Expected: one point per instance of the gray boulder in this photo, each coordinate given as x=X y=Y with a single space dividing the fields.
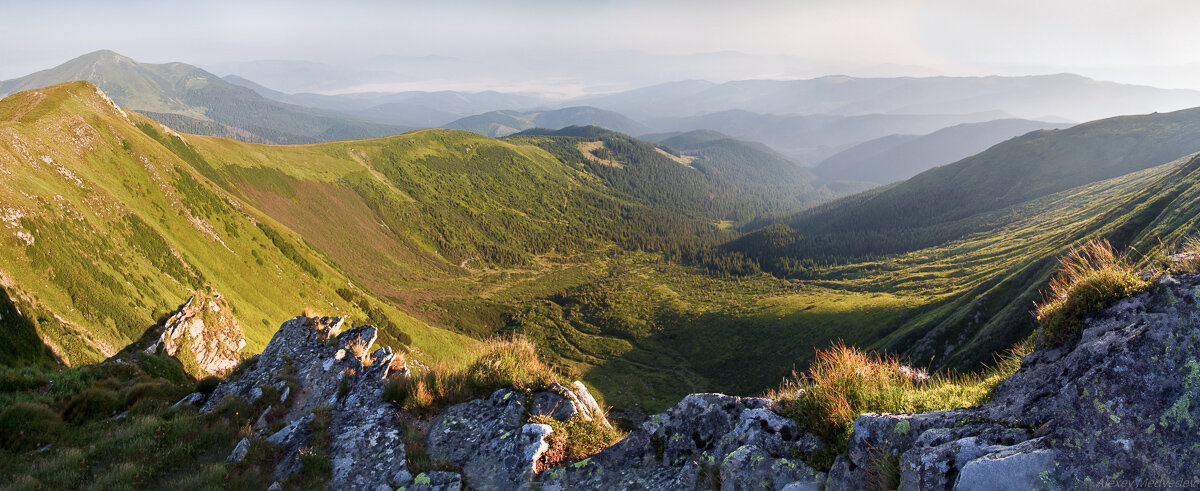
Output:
x=489 y=441
x=696 y=437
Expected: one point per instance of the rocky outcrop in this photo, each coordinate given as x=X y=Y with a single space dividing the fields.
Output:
x=738 y=441
x=563 y=403
x=202 y=334
x=316 y=377
x=1116 y=406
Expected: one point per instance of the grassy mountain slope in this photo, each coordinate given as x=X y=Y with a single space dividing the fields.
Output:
x=497 y=124
x=193 y=100
x=953 y=201
x=899 y=157
x=979 y=238
x=753 y=168
x=110 y=221
x=721 y=179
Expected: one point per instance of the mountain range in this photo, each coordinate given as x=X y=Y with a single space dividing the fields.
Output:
x=1041 y=97
x=898 y=157
x=192 y=100
x=498 y=124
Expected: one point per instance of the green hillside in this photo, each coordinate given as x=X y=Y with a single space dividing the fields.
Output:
x=980 y=237
x=192 y=100
x=107 y=228
x=972 y=195
x=898 y=157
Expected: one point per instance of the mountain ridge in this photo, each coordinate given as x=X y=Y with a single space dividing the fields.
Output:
x=198 y=101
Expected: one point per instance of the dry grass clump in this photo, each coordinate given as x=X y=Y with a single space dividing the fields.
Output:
x=1089 y=278
x=844 y=382
x=502 y=363
x=1189 y=260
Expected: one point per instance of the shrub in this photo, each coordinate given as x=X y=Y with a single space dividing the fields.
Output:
x=158 y=389
x=91 y=404
x=25 y=425
x=844 y=382
x=208 y=385
x=1089 y=278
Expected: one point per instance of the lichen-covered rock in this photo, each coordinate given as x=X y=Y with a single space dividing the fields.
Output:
x=1025 y=466
x=752 y=468
x=487 y=439
x=367 y=447
x=203 y=334
x=672 y=448
x=313 y=368
x=563 y=403
x=1116 y=403
x=436 y=481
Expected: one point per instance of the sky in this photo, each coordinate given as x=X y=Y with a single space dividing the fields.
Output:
x=572 y=47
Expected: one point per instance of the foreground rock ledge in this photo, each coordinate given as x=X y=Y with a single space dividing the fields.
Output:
x=1120 y=405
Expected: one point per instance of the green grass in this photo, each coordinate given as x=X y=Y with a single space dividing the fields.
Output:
x=69 y=414
x=119 y=234
x=1088 y=279
x=500 y=363
x=574 y=440
x=844 y=382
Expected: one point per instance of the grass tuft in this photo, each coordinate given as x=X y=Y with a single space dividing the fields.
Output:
x=573 y=440
x=1089 y=278
x=844 y=382
x=501 y=363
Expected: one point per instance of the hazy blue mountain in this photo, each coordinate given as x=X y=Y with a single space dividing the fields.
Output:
x=897 y=157
x=503 y=123
x=410 y=108
x=193 y=100
x=1032 y=97
x=813 y=138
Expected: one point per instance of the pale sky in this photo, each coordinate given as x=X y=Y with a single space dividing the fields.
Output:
x=610 y=44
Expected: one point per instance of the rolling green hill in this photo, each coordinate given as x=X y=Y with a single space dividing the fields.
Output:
x=979 y=238
x=192 y=100
x=972 y=195
x=110 y=222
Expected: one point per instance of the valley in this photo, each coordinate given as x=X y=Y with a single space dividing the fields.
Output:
x=445 y=237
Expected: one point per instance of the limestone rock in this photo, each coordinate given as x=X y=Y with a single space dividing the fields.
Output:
x=203 y=330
